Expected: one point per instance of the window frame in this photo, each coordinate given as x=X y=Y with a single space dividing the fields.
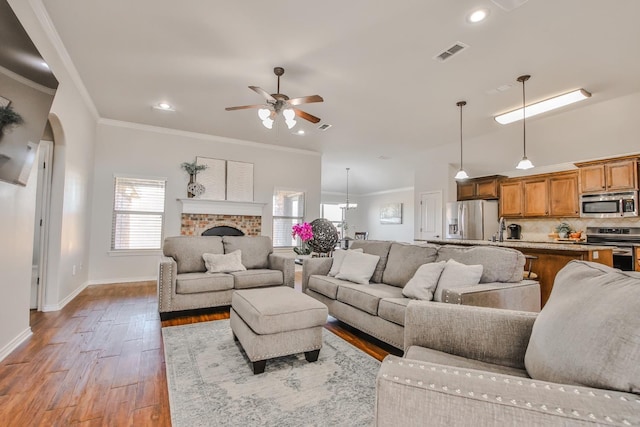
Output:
x=114 y=212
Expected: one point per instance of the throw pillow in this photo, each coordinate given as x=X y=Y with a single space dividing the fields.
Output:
x=338 y=258
x=424 y=282
x=456 y=275
x=588 y=332
x=224 y=263
x=358 y=267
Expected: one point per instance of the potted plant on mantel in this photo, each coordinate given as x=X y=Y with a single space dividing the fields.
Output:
x=193 y=188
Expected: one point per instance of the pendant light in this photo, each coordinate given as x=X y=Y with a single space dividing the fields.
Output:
x=524 y=163
x=461 y=173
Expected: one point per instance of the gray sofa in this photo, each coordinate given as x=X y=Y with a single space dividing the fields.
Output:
x=183 y=281
x=576 y=363
x=378 y=308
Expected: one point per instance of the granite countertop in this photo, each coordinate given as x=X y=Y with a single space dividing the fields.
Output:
x=555 y=246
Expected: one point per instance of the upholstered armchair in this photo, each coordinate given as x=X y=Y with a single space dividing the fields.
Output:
x=577 y=362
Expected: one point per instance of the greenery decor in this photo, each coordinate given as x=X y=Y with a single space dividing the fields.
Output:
x=9 y=117
x=192 y=168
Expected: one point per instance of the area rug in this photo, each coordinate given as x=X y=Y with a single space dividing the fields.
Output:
x=211 y=382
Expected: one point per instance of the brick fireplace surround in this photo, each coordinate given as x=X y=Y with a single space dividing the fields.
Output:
x=195 y=224
x=199 y=215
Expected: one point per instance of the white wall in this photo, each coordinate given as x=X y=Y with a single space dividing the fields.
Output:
x=157 y=152
x=69 y=233
x=594 y=130
x=369 y=215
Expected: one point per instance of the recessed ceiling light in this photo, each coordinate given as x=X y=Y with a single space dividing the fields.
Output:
x=478 y=16
x=164 y=106
x=300 y=132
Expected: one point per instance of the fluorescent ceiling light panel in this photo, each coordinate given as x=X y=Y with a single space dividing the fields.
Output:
x=543 y=106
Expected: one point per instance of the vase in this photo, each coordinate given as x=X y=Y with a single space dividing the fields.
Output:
x=192 y=179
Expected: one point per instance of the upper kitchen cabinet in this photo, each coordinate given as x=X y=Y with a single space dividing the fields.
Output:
x=485 y=188
x=536 y=196
x=608 y=175
x=563 y=195
x=540 y=196
x=511 y=198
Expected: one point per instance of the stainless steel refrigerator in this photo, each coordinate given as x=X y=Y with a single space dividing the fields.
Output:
x=472 y=219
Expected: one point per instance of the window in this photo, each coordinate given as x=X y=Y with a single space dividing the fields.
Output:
x=288 y=209
x=333 y=213
x=138 y=214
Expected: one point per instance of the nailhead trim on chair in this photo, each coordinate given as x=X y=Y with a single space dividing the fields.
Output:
x=485 y=396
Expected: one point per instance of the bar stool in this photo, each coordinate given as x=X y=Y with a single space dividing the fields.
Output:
x=528 y=274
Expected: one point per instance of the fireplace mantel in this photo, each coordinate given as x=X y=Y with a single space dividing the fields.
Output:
x=221 y=207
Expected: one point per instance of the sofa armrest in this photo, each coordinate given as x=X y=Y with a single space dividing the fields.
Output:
x=523 y=296
x=487 y=334
x=312 y=266
x=167 y=271
x=414 y=393
x=286 y=265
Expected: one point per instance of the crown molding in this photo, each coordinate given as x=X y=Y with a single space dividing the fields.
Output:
x=375 y=193
x=203 y=136
x=25 y=81
x=52 y=34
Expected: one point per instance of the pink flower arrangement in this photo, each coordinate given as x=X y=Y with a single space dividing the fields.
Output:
x=304 y=231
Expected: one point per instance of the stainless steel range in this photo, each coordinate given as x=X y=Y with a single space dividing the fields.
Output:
x=623 y=238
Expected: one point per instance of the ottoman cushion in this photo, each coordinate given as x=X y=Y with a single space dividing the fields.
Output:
x=278 y=309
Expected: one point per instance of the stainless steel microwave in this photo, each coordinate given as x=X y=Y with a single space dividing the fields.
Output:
x=609 y=205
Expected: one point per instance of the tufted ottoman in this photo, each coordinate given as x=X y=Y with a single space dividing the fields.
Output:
x=277 y=321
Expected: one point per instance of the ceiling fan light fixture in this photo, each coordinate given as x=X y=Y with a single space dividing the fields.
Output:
x=268 y=123
x=264 y=113
x=290 y=123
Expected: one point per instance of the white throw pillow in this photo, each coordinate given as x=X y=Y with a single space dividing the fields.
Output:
x=457 y=275
x=338 y=258
x=224 y=263
x=424 y=282
x=358 y=267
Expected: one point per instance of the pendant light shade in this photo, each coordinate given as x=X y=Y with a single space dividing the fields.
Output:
x=524 y=163
x=461 y=173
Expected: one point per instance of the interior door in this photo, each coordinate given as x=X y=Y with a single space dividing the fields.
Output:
x=430 y=215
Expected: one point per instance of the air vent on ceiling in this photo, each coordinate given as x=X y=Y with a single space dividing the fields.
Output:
x=448 y=53
x=324 y=126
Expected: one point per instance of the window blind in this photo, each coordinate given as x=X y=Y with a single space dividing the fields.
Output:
x=138 y=214
x=288 y=209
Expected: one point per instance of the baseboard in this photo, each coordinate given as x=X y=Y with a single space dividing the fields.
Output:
x=14 y=343
x=60 y=305
x=122 y=280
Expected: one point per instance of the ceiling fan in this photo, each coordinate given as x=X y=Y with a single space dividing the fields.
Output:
x=280 y=103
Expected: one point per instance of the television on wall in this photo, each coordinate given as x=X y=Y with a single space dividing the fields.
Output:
x=27 y=88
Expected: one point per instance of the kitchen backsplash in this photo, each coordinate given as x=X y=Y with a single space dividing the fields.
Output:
x=538 y=230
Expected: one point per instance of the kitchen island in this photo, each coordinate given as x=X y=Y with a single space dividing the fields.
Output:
x=550 y=257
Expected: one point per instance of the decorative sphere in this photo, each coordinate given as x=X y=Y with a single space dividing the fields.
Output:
x=325 y=236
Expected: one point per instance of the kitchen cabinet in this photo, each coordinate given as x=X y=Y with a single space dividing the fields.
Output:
x=484 y=188
x=536 y=197
x=636 y=258
x=563 y=195
x=610 y=175
x=552 y=195
x=511 y=199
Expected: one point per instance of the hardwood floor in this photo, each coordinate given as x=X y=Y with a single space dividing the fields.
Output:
x=100 y=361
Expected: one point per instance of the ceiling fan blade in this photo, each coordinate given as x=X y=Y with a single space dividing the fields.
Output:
x=244 y=107
x=305 y=100
x=306 y=116
x=262 y=92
